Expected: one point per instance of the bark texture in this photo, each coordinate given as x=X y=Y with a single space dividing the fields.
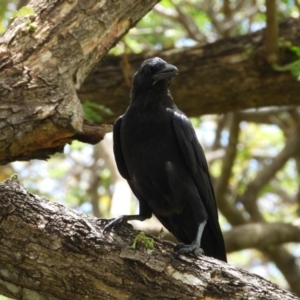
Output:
x=44 y=59
x=227 y=75
x=50 y=252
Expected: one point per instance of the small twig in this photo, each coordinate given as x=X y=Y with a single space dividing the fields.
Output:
x=248 y=13
x=227 y=16
x=126 y=66
x=263 y=116
x=229 y=157
x=187 y=22
x=218 y=26
x=271 y=45
x=297 y=4
x=229 y=210
x=220 y=126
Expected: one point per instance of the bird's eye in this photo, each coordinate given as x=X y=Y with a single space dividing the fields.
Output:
x=148 y=72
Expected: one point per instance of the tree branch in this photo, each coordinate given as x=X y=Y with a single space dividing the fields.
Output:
x=250 y=195
x=287 y=263
x=47 y=250
x=228 y=209
x=41 y=68
x=224 y=76
x=187 y=23
x=264 y=115
x=262 y=235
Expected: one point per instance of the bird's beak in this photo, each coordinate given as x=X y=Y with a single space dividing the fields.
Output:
x=168 y=72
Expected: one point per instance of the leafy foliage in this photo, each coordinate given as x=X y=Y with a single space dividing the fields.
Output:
x=94 y=111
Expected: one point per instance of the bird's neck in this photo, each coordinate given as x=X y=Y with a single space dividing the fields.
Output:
x=153 y=100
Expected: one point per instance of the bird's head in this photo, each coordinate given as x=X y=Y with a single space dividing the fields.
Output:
x=154 y=73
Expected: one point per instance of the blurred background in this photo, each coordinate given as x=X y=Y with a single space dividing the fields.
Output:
x=254 y=155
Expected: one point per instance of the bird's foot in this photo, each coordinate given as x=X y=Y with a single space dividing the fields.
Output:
x=116 y=222
x=193 y=249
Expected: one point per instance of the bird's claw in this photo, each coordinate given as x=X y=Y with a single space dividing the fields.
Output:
x=115 y=223
x=188 y=249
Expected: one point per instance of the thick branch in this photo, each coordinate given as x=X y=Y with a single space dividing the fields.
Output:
x=51 y=252
x=44 y=58
x=224 y=76
x=262 y=236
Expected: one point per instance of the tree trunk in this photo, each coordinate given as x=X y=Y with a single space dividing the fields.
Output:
x=50 y=252
x=44 y=59
x=227 y=75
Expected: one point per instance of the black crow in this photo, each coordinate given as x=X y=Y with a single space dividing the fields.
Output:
x=158 y=153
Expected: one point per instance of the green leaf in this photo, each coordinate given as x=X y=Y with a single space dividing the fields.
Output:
x=14 y=176
x=94 y=112
x=295 y=50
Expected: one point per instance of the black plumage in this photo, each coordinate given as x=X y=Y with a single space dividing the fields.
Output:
x=157 y=151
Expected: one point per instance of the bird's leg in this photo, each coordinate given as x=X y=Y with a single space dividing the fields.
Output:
x=194 y=247
x=122 y=220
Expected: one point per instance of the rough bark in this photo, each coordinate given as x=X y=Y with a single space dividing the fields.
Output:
x=44 y=59
x=227 y=75
x=50 y=252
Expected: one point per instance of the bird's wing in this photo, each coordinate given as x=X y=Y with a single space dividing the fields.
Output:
x=118 y=149
x=145 y=211
x=196 y=163
x=195 y=159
